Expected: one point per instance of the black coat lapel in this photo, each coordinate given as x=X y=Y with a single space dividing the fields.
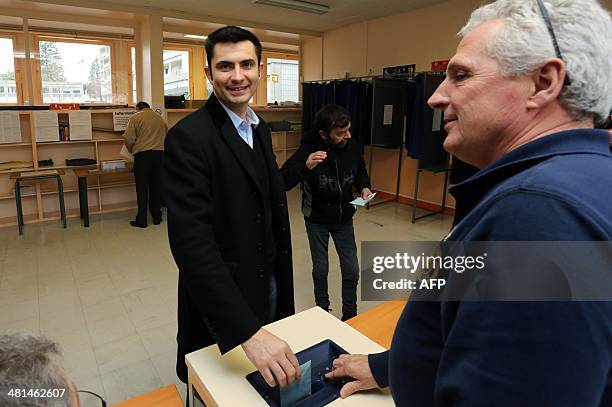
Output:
x=263 y=132
x=232 y=138
x=276 y=183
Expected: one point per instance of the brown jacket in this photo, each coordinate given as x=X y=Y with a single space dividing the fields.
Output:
x=145 y=131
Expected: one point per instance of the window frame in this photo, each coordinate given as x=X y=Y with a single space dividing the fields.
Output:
x=132 y=75
x=17 y=69
x=170 y=46
x=37 y=72
x=261 y=96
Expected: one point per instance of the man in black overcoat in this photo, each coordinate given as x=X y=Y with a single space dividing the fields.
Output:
x=228 y=223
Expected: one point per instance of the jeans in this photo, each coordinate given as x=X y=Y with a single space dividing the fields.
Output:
x=344 y=240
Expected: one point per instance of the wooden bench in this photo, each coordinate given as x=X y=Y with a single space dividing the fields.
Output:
x=165 y=397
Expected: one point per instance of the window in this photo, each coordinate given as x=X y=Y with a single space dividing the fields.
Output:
x=176 y=73
x=75 y=72
x=134 y=96
x=282 y=80
x=8 y=87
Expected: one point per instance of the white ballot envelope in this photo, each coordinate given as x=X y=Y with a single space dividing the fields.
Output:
x=362 y=202
x=126 y=153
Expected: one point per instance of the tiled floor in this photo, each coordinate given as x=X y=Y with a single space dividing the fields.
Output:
x=107 y=294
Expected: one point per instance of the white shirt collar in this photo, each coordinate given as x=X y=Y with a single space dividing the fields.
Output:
x=251 y=117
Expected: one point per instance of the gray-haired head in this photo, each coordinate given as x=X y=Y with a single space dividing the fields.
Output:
x=583 y=29
x=31 y=362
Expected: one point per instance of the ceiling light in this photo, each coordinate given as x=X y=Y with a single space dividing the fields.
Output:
x=197 y=37
x=298 y=5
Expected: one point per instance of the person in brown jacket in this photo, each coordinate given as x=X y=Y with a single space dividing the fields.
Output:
x=144 y=137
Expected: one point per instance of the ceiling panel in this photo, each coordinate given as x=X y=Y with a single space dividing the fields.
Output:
x=342 y=12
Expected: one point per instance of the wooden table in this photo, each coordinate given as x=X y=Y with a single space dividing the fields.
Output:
x=220 y=380
x=165 y=397
x=378 y=323
x=82 y=174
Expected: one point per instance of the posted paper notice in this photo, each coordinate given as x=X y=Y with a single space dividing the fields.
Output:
x=80 y=124
x=46 y=125
x=10 y=128
x=121 y=119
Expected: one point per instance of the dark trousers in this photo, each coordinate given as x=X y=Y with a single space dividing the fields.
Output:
x=147 y=173
x=344 y=240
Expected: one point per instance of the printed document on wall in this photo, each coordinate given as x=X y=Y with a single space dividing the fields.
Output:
x=46 y=126
x=10 y=129
x=121 y=119
x=80 y=124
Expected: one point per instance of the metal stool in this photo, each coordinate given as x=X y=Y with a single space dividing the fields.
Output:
x=38 y=177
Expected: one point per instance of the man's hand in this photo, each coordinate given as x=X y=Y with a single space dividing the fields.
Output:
x=356 y=367
x=315 y=159
x=272 y=355
x=365 y=193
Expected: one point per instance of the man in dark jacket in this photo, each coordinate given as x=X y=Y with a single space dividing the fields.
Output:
x=545 y=175
x=228 y=223
x=329 y=169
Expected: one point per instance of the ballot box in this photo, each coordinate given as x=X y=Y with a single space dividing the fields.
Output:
x=221 y=380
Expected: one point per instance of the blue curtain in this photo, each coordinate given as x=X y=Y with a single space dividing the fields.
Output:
x=354 y=95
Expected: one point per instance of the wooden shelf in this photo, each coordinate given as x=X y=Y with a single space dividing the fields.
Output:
x=12 y=196
x=31 y=195
x=102 y=140
x=94 y=140
x=69 y=190
x=15 y=144
x=12 y=220
x=42 y=168
x=70 y=214
x=93 y=111
x=93 y=210
x=65 y=167
x=186 y=110
x=54 y=143
x=18 y=170
x=105 y=130
x=107 y=111
x=115 y=185
x=55 y=167
x=54 y=192
x=116 y=207
x=106 y=144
